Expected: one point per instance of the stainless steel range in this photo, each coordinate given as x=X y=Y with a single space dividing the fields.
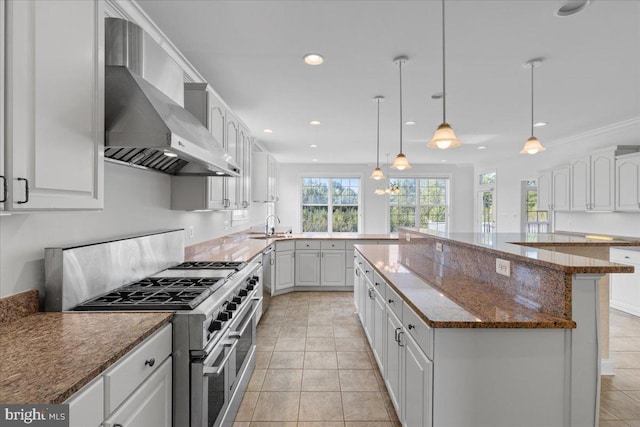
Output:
x=215 y=305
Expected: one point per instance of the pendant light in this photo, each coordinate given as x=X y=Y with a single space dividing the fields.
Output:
x=380 y=191
x=444 y=137
x=377 y=172
x=532 y=146
x=401 y=163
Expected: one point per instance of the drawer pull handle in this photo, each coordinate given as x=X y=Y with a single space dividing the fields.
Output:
x=400 y=334
x=26 y=191
x=150 y=362
x=411 y=326
x=391 y=301
x=118 y=425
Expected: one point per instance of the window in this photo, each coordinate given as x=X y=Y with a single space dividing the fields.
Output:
x=420 y=202
x=535 y=221
x=330 y=205
x=487 y=202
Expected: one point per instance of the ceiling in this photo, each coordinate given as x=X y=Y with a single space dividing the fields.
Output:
x=251 y=53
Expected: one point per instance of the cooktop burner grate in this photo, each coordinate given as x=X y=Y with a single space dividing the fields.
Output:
x=212 y=265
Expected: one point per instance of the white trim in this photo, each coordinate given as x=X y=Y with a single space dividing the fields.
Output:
x=606 y=367
x=630 y=123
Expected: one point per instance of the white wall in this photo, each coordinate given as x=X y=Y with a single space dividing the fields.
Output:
x=374 y=207
x=512 y=170
x=136 y=201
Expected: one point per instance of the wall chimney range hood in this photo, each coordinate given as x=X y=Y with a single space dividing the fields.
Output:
x=145 y=123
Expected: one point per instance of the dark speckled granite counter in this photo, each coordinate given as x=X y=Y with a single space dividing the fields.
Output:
x=46 y=357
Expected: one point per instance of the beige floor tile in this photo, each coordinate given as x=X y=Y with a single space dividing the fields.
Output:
x=367 y=424
x=320 y=406
x=619 y=405
x=290 y=344
x=320 y=344
x=293 y=331
x=624 y=344
x=626 y=379
x=265 y=343
x=635 y=395
x=353 y=360
x=248 y=404
x=262 y=359
x=348 y=331
x=268 y=331
x=351 y=344
x=277 y=406
x=604 y=423
x=320 y=424
x=257 y=378
x=320 y=319
x=274 y=424
x=364 y=406
x=358 y=380
x=287 y=360
x=241 y=424
x=625 y=359
x=320 y=380
x=323 y=331
x=282 y=380
x=320 y=360
x=631 y=423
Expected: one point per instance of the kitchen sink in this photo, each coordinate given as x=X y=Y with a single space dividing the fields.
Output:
x=273 y=236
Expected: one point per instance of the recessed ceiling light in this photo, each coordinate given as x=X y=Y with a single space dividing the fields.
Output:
x=314 y=160
x=313 y=59
x=410 y=123
x=482 y=147
x=539 y=124
x=313 y=146
x=572 y=7
x=219 y=173
x=170 y=154
x=443 y=161
x=268 y=131
x=437 y=95
x=314 y=122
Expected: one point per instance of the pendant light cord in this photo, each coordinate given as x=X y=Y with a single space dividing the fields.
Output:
x=400 y=67
x=444 y=93
x=378 y=138
x=532 y=67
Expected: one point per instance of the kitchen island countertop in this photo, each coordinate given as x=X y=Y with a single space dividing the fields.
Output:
x=47 y=357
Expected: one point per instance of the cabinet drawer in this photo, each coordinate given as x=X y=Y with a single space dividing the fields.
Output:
x=288 y=245
x=86 y=407
x=419 y=330
x=123 y=378
x=394 y=302
x=307 y=244
x=332 y=244
x=380 y=285
x=624 y=256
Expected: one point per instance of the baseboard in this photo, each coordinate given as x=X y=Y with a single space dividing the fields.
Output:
x=606 y=367
x=627 y=308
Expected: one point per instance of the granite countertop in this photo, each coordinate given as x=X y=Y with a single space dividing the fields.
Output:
x=458 y=301
x=46 y=357
x=531 y=249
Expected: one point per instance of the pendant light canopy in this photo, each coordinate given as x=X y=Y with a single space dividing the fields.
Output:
x=532 y=146
x=401 y=163
x=377 y=172
x=444 y=137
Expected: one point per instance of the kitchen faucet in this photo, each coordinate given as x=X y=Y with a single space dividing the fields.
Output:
x=266 y=225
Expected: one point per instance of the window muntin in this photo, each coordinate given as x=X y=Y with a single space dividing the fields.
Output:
x=330 y=205
x=421 y=202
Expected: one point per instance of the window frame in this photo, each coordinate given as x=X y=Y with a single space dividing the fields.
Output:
x=481 y=188
x=331 y=176
x=541 y=226
x=419 y=176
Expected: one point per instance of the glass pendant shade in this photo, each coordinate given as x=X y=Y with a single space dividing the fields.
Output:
x=401 y=163
x=377 y=174
x=444 y=138
x=532 y=146
x=379 y=191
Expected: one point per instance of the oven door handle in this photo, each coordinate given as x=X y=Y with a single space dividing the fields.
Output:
x=216 y=370
x=241 y=331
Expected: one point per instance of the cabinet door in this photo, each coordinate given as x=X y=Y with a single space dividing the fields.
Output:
x=628 y=183
x=55 y=101
x=602 y=180
x=545 y=181
x=284 y=270
x=247 y=144
x=369 y=304
x=379 y=323
x=307 y=268
x=231 y=134
x=356 y=290
x=149 y=405
x=580 y=185
x=561 y=189
x=393 y=359
x=416 y=397
x=333 y=268
x=86 y=407
x=3 y=177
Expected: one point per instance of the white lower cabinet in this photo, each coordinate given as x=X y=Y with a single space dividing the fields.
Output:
x=416 y=395
x=86 y=407
x=308 y=268
x=285 y=269
x=332 y=268
x=625 y=288
x=393 y=359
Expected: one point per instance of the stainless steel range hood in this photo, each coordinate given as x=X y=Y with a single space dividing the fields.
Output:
x=145 y=122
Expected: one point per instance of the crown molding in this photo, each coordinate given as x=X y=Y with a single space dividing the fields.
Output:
x=622 y=125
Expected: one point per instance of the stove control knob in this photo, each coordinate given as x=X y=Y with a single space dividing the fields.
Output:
x=243 y=293
x=232 y=306
x=237 y=300
x=250 y=286
x=256 y=278
x=253 y=281
x=223 y=316
x=215 y=325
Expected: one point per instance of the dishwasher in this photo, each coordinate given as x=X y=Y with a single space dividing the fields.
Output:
x=268 y=273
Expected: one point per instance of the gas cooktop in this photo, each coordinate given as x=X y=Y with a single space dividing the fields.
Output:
x=157 y=293
x=212 y=265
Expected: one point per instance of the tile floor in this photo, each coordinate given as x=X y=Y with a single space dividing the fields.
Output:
x=314 y=368
x=620 y=395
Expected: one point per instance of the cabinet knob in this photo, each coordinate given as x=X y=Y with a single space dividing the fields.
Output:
x=150 y=362
x=391 y=301
x=411 y=326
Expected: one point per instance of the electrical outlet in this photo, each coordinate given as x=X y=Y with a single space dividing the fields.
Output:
x=503 y=267
x=191 y=231
x=439 y=247
x=408 y=237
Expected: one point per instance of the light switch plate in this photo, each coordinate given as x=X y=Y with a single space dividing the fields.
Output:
x=439 y=247
x=503 y=267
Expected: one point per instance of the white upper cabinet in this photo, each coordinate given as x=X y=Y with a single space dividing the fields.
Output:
x=561 y=183
x=232 y=144
x=593 y=181
x=628 y=183
x=544 y=190
x=264 y=184
x=54 y=94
